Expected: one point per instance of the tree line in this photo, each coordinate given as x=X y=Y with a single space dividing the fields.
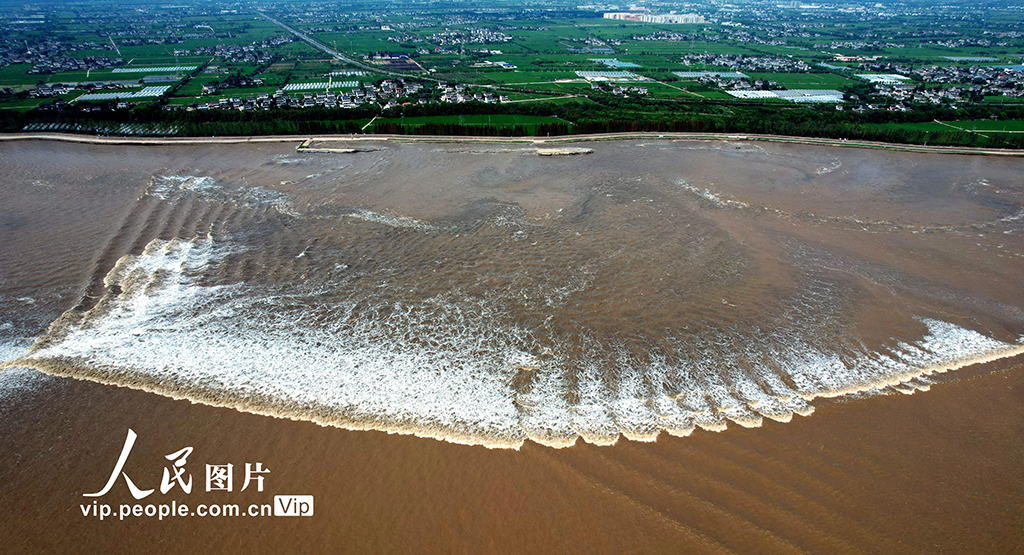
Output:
x=611 y=114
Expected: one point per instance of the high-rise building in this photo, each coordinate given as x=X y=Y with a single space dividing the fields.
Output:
x=649 y=18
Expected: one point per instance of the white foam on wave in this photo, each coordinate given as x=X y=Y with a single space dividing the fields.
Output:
x=165 y=186
x=392 y=220
x=711 y=197
x=832 y=166
x=290 y=159
x=17 y=381
x=11 y=347
x=170 y=187
x=443 y=368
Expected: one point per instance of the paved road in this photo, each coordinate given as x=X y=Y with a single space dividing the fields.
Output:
x=338 y=55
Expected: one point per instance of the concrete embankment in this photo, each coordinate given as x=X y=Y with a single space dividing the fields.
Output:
x=67 y=137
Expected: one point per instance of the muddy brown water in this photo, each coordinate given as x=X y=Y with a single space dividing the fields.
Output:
x=482 y=294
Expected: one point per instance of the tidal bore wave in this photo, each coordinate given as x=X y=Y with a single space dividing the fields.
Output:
x=448 y=367
x=494 y=299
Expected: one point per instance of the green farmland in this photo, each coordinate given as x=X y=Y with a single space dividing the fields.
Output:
x=426 y=61
x=988 y=126
x=805 y=80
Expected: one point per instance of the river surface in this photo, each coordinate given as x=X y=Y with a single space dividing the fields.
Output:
x=484 y=295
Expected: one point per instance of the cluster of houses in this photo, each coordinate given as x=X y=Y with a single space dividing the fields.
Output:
x=66 y=107
x=57 y=65
x=55 y=56
x=142 y=41
x=961 y=43
x=52 y=56
x=670 y=36
x=455 y=94
x=742 y=36
x=730 y=83
x=967 y=81
x=907 y=92
x=858 y=45
x=493 y=64
x=592 y=42
x=624 y=90
x=389 y=90
x=471 y=35
x=405 y=38
x=257 y=52
x=54 y=89
x=767 y=64
x=994 y=80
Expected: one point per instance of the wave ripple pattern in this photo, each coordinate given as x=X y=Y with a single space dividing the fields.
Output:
x=613 y=307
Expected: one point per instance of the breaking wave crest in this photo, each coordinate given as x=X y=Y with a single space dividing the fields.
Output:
x=459 y=363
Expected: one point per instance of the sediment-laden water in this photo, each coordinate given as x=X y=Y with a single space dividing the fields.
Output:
x=484 y=294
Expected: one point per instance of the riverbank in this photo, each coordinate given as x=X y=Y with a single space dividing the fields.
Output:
x=164 y=141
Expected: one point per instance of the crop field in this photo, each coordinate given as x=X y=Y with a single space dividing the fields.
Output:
x=1003 y=100
x=988 y=126
x=937 y=55
x=363 y=42
x=710 y=94
x=542 y=42
x=25 y=104
x=14 y=75
x=526 y=62
x=528 y=77
x=563 y=88
x=804 y=80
